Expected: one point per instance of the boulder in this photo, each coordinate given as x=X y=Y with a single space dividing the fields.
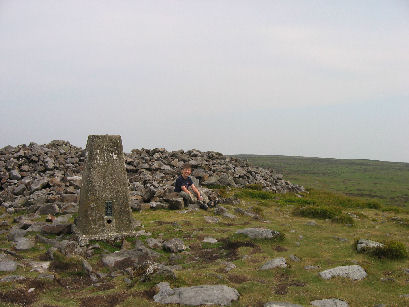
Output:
x=364 y=245
x=174 y=246
x=12 y=278
x=23 y=244
x=274 y=263
x=259 y=233
x=48 y=209
x=8 y=265
x=125 y=258
x=353 y=272
x=332 y=302
x=197 y=295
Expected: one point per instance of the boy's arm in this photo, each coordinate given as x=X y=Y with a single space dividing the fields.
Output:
x=199 y=197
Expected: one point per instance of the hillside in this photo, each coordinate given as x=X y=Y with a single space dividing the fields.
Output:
x=386 y=181
x=266 y=243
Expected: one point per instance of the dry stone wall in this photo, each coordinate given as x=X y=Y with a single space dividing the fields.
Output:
x=33 y=176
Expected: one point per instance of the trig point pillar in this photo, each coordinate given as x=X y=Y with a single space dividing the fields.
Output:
x=104 y=211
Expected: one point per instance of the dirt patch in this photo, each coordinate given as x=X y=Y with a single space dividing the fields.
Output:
x=19 y=296
x=74 y=282
x=110 y=300
x=237 y=279
x=232 y=247
x=282 y=288
x=279 y=248
x=148 y=294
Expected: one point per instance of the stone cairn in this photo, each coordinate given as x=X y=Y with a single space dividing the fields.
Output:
x=48 y=177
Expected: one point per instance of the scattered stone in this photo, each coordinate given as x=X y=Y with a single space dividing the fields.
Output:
x=174 y=245
x=332 y=302
x=16 y=234
x=8 y=266
x=353 y=272
x=229 y=266
x=57 y=229
x=154 y=243
x=209 y=240
x=404 y=295
x=311 y=223
x=128 y=258
x=39 y=266
x=311 y=267
x=23 y=244
x=142 y=233
x=295 y=258
x=197 y=295
x=12 y=278
x=259 y=233
x=48 y=209
x=364 y=245
x=274 y=263
x=211 y=219
x=158 y=269
x=281 y=304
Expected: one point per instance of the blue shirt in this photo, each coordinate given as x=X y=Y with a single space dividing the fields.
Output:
x=180 y=182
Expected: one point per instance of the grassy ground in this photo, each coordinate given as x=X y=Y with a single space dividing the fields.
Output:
x=325 y=245
x=386 y=181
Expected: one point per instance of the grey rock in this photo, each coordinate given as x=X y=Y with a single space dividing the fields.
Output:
x=332 y=302
x=404 y=295
x=364 y=245
x=20 y=189
x=311 y=223
x=23 y=244
x=311 y=267
x=154 y=243
x=14 y=175
x=175 y=203
x=38 y=184
x=134 y=257
x=174 y=245
x=8 y=265
x=16 y=234
x=69 y=208
x=39 y=266
x=281 y=304
x=86 y=266
x=197 y=295
x=48 y=209
x=259 y=233
x=46 y=276
x=158 y=269
x=294 y=258
x=209 y=240
x=12 y=278
x=211 y=219
x=274 y=263
x=353 y=272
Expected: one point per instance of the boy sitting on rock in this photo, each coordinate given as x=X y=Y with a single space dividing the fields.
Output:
x=185 y=187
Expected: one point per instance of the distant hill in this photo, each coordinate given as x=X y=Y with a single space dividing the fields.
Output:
x=387 y=181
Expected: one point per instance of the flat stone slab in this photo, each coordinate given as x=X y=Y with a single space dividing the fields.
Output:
x=364 y=245
x=23 y=244
x=12 y=278
x=8 y=265
x=354 y=272
x=209 y=240
x=281 y=304
x=197 y=295
x=136 y=256
x=39 y=266
x=258 y=233
x=331 y=302
x=274 y=263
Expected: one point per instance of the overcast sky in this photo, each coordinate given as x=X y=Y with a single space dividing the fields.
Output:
x=307 y=78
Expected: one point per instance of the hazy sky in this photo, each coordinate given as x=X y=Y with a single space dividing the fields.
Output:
x=309 y=78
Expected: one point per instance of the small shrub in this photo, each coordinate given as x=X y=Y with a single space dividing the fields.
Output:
x=390 y=250
x=373 y=205
x=316 y=212
x=63 y=263
x=343 y=219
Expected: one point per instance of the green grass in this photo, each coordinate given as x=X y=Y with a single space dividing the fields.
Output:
x=387 y=182
x=204 y=263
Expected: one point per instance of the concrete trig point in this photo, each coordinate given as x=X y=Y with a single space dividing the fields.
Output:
x=104 y=211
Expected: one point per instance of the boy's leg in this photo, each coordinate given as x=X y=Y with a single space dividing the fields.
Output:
x=186 y=198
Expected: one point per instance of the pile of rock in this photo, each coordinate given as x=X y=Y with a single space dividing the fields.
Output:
x=34 y=175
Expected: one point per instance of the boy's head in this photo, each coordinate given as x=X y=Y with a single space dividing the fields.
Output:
x=186 y=170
